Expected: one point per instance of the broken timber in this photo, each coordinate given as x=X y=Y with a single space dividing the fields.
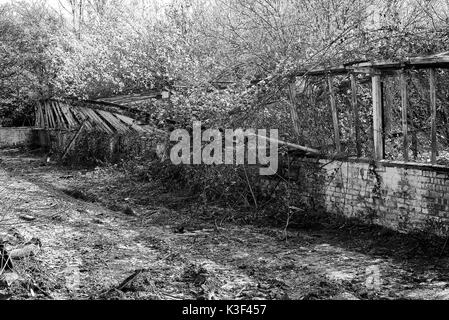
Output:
x=377 y=118
x=72 y=143
x=433 y=109
x=293 y=111
x=404 y=105
x=59 y=115
x=355 y=109
x=376 y=70
x=334 y=114
x=288 y=144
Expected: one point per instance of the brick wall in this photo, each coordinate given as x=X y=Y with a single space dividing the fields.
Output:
x=21 y=136
x=15 y=136
x=402 y=196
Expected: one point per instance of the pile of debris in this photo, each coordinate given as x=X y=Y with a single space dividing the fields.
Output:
x=10 y=253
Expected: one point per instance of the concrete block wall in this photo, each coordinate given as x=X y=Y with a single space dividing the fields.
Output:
x=10 y=137
x=398 y=195
x=22 y=136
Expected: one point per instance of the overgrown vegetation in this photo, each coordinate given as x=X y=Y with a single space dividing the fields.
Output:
x=91 y=49
x=227 y=63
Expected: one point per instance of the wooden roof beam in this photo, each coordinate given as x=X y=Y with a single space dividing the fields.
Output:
x=429 y=62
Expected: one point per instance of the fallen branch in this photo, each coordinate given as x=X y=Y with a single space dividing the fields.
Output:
x=27 y=251
x=288 y=144
x=126 y=283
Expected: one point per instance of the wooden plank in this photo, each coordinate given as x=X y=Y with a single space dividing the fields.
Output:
x=387 y=106
x=355 y=109
x=382 y=101
x=70 y=117
x=93 y=121
x=334 y=115
x=36 y=120
x=44 y=114
x=38 y=116
x=377 y=118
x=106 y=119
x=81 y=117
x=48 y=123
x=130 y=122
x=41 y=116
x=113 y=121
x=97 y=120
x=288 y=144
x=123 y=126
x=51 y=115
x=71 y=114
x=103 y=122
x=64 y=122
x=66 y=110
x=404 y=105
x=60 y=117
x=433 y=108
x=41 y=111
x=72 y=143
x=120 y=126
x=135 y=127
x=293 y=111
x=55 y=115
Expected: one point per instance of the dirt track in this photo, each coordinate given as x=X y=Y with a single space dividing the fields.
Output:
x=88 y=250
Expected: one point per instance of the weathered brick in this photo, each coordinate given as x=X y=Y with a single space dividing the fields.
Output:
x=406 y=197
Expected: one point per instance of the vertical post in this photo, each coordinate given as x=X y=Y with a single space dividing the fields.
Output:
x=433 y=108
x=384 y=122
x=293 y=111
x=377 y=118
x=404 y=105
x=355 y=108
x=36 y=116
x=387 y=107
x=334 y=114
x=415 y=145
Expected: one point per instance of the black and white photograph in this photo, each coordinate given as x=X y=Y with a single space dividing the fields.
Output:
x=209 y=151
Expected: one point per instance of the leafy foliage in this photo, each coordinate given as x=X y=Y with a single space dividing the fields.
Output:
x=226 y=62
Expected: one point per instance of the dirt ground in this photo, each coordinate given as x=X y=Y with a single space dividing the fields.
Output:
x=103 y=241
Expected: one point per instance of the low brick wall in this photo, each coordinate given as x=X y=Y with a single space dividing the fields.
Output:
x=15 y=136
x=21 y=136
x=402 y=196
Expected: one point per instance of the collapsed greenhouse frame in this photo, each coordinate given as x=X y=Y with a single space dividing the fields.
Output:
x=376 y=70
